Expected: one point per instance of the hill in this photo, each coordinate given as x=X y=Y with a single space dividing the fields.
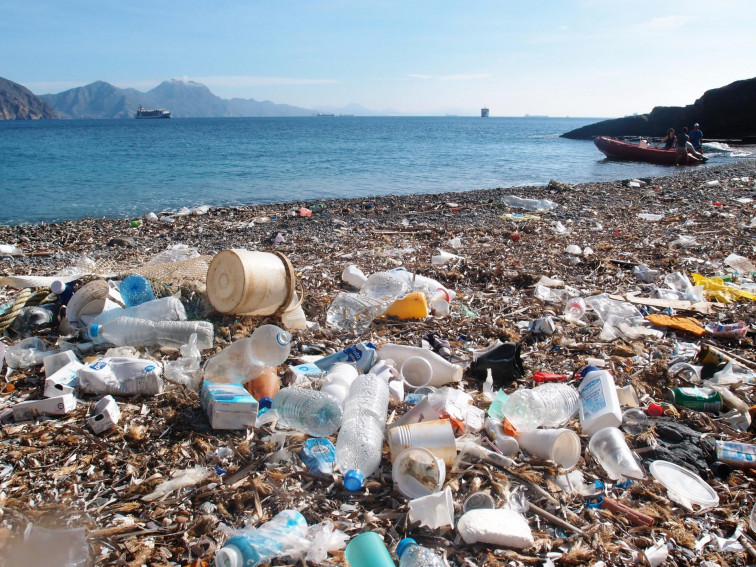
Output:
x=19 y=103
x=727 y=112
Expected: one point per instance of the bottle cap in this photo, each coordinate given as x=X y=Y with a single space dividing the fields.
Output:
x=228 y=557
x=588 y=369
x=283 y=338
x=94 y=330
x=403 y=545
x=58 y=287
x=265 y=402
x=353 y=480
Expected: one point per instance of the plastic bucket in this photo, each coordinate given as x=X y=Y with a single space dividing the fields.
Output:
x=248 y=282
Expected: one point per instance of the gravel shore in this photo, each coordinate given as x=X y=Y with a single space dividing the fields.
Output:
x=64 y=475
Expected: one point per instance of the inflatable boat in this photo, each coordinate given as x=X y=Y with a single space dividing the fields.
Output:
x=617 y=149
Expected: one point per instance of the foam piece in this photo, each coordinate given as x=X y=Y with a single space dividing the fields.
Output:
x=500 y=527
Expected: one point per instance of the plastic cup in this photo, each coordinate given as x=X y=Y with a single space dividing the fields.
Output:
x=609 y=447
x=368 y=550
x=559 y=445
x=416 y=372
x=434 y=511
x=417 y=472
x=436 y=436
x=477 y=501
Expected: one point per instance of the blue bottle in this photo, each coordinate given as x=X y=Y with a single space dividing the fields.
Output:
x=319 y=455
x=283 y=534
x=135 y=290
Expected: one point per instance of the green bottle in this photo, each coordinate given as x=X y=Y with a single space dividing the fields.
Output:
x=700 y=399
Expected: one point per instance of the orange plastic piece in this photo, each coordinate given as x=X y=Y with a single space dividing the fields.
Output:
x=412 y=306
x=266 y=385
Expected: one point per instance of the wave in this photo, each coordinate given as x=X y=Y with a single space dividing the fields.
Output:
x=725 y=150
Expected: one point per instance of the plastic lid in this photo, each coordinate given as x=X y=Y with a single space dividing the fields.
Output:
x=94 y=330
x=57 y=287
x=684 y=486
x=403 y=545
x=228 y=557
x=588 y=369
x=265 y=402
x=353 y=480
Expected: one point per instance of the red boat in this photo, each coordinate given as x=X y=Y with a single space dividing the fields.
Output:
x=617 y=149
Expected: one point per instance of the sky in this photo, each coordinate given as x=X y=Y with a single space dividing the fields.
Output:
x=587 y=58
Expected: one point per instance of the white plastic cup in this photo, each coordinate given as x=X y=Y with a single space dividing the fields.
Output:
x=478 y=501
x=437 y=436
x=434 y=511
x=442 y=258
x=609 y=447
x=559 y=445
x=417 y=472
x=416 y=372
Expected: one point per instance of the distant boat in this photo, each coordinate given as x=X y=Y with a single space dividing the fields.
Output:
x=484 y=112
x=153 y=113
x=325 y=114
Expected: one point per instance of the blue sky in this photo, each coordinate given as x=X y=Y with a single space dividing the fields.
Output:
x=597 y=58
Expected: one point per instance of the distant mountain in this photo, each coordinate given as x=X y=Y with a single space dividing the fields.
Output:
x=19 y=103
x=185 y=99
x=728 y=112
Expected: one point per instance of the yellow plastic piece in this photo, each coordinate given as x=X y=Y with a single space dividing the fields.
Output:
x=412 y=306
x=717 y=290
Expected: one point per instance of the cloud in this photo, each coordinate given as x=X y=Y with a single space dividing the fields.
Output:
x=458 y=77
x=243 y=81
x=667 y=22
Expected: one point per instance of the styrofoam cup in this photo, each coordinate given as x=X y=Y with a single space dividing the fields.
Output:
x=434 y=511
x=437 y=436
x=559 y=445
x=417 y=372
x=417 y=472
x=477 y=501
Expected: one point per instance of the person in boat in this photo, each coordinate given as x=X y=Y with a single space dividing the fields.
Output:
x=668 y=140
x=696 y=137
x=684 y=149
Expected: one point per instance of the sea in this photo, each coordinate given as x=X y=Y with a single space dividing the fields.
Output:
x=57 y=170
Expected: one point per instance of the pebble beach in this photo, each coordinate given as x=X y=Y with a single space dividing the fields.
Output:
x=692 y=221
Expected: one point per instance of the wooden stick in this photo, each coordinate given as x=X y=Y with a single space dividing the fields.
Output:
x=555 y=519
x=636 y=518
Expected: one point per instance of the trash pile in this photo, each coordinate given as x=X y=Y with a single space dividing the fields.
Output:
x=560 y=377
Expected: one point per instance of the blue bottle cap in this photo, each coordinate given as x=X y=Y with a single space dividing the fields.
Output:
x=265 y=402
x=94 y=330
x=587 y=369
x=353 y=480
x=403 y=545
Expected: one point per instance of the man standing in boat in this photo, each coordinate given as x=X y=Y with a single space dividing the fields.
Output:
x=696 y=136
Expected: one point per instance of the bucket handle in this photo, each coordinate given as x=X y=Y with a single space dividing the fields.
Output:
x=291 y=281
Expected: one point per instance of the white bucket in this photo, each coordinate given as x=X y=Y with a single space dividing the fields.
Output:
x=248 y=282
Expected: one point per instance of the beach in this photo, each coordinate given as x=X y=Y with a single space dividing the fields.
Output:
x=690 y=222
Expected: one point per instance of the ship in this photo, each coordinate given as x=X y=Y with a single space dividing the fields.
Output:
x=484 y=112
x=152 y=113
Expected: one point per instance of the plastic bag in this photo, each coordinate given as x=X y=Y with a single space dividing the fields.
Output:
x=717 y=290
x=324 y=538
x=179 y=479
x=186 y=369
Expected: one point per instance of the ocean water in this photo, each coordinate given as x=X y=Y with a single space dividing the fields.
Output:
x=72 y=169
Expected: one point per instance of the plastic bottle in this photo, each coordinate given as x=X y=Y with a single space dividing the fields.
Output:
x=444 y=371
x=128 y=331
x=311 y=411
x=413 y=555
x=265 y=386
x=360 y=441
x=163 y=309
x=135 y=290
x=339 y=380
x=549 y=405
x=428 y=286
x=246 y=358
x=599 y=404
x=121 y=376
x=368 y=550
x=355 y=311
x=285 y=533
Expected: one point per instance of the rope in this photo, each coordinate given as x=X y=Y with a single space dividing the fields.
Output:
x=25 y=297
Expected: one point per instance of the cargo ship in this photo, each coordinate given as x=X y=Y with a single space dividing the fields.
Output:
x=153 y=113
x=484 y=112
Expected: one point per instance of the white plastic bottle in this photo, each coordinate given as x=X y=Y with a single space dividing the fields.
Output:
x=163 y=309
x=311 y=411
x=128 y=331
x=338 y=381
x=599 y=403
x=444 y=371
x=359 y=445
x=355 y=311
x=413 y=555
x=246 y=358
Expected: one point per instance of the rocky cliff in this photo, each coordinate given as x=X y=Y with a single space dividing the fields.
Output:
x=19 y=103
x=725 y=113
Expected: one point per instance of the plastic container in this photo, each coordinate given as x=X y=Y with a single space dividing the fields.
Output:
x=338 y=380
x=478 y=501
x=121 y=376
x=437 y=436
x=684 y=486
x=127 y=331
x=57 y=547
x=368 y=550
x=417 y=472
x=434 y=510
x=265 y=386
x=416 y=372
x=360 y=441
x=354 y=312
x=414 y=305
x=246 y=358
x=287 y=530
x=559 y=445
x=444 y=372
x=548 y=405
x=599 y=404
x=135 y=290
x=353 y=276
x=311 y=411
x=413 y=555
x=699 y=399
x=609 y=447
x=163 y=309
x=319 y=455
x=497 y=433
x=427 y=285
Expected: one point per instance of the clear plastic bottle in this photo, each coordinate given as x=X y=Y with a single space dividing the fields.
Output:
x=413 y=555
x=247 y=358
x=163 y=309
x=128 y=331
x=284 y=534
x=135 y=290
x=355 y=311
x=265 y=386
x=311 y=411
x=549 y=405
x=359 y=445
